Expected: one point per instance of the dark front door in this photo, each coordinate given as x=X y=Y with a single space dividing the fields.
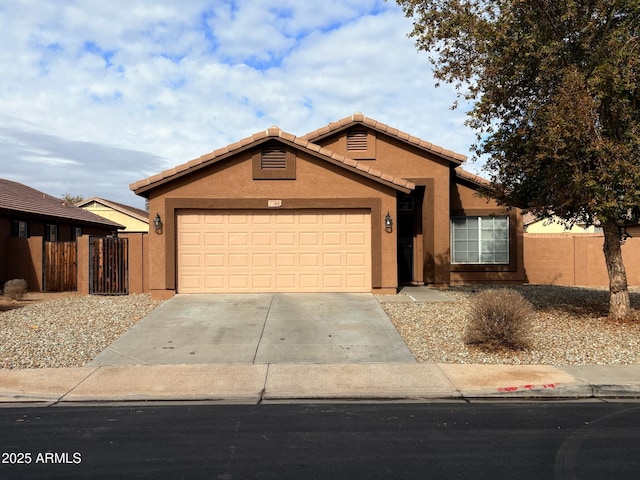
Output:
x=405 y=247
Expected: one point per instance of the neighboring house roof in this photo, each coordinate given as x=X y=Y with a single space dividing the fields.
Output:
x=529 y=218
x=358 y=118
x=361 y=168
x=134 y=212
x=17 y=198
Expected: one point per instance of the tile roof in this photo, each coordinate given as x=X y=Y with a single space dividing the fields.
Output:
x=359 y=118
x=256 y=139
x=18 y=198
x=134 y=212
x=472 y=177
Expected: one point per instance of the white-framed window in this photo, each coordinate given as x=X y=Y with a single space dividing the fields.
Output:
x=480 y=240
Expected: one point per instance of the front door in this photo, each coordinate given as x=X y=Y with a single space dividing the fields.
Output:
x=406 y=235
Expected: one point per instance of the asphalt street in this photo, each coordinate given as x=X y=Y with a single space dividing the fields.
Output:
x=562 y=440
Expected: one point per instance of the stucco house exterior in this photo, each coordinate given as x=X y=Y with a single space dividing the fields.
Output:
x=134 y=220
x=355 y=206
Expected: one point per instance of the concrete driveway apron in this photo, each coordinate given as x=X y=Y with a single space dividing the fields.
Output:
x=261 y=328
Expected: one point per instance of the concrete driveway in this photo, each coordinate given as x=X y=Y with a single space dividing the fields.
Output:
x=261 y=328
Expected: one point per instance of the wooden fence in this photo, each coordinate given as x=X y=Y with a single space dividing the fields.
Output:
x=60 y=267
x=108 y=266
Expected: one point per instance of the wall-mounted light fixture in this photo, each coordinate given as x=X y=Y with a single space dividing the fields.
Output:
x=622 y=230
x=388 y=223
x=157 y=223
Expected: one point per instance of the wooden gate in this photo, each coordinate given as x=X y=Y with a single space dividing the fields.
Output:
x=60 y=267
x=108 y=266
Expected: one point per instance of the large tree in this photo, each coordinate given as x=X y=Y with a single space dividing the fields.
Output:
x=556 y=104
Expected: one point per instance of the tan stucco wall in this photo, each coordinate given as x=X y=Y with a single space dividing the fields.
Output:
x=138 y=261
x=26 y=261
x=130 y=223
x=567 y=259
x=230 y=185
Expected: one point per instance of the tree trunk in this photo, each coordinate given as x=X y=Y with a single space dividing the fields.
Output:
x=619 y=306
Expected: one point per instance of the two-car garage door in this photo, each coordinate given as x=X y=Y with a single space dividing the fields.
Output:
x=284 y=251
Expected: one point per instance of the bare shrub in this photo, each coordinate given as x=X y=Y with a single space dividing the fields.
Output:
x=499 y=318
x=15 y=289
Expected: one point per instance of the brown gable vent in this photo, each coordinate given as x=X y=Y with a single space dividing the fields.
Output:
x=357 y=139
x=274 y=157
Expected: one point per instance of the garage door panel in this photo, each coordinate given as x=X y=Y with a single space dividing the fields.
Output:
x=309 y=251
x=214 y=239
x=193 y=260
x=214 y=260
x=356 y=260
x=262 y=260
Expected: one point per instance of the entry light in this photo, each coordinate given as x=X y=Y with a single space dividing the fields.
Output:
x=388 y=223
x=157 y=223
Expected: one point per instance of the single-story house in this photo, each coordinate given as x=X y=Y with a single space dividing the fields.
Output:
x=28 y=218
x=133 y=219
x=355 y=206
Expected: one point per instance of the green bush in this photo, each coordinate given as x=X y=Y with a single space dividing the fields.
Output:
x=15 y=289
x=499 y=318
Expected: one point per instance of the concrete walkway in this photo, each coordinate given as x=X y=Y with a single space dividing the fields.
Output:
x=263 y=383
x=260 y=328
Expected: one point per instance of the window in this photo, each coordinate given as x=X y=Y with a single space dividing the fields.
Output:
x=480 y=240
x=75 y=233
x=51 y=233
x=19 y=229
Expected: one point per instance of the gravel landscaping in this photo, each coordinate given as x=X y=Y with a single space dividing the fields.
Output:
x=64 y=330
x=570 y=328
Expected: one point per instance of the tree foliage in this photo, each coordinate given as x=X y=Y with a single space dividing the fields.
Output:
x=555 y=86
x=71 y=200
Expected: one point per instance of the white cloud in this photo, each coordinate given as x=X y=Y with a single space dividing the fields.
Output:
x=142 y=86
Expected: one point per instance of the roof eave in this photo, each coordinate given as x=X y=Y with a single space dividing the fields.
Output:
x=144 y=186
x=348 y=122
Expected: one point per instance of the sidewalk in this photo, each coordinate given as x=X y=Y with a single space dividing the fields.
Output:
x=256 y=383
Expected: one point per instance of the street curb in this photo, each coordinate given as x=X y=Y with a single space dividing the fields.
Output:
x=272 y=383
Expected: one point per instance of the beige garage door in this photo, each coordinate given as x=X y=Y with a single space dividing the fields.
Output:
x=311 y=251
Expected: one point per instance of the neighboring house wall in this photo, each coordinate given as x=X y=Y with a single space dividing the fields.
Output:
x=130 y=223
x=575 y=259
x=554 y=226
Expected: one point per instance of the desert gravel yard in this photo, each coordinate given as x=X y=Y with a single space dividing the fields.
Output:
x=570 y=328
x=65 y=329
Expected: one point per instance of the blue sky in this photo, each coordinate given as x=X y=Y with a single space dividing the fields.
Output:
x=97 y=95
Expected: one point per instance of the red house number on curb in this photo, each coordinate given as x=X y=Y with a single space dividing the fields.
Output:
x=527 y=387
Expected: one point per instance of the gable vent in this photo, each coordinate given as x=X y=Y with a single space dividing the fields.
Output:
x=357 y=139
x=274 y=157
